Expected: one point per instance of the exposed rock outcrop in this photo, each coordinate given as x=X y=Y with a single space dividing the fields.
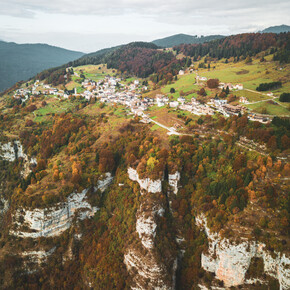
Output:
x=4 y=205
x=55 y=220
x=230 y=260
x=38 y=256
x=145 y=264
x=173 y=180
x=11 y=151
x=146 y=225
x=149 y=185
x=104 y=182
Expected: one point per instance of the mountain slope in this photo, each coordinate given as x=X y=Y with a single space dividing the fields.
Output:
x=22 y=61
x=277 y=29
x=184 y=38
x=140 y=59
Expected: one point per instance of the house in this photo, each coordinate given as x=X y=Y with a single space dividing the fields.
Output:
x=232 y=110
x=181 y=72
x=238 y=87
x=201 y=78
x=173 y=104
x=270 y=94
x=160 y=103
x=229 y=85
x=244 y=100
x=181 y=100
x=259 y=118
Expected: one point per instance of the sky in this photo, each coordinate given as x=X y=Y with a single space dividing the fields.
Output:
x=90 y=25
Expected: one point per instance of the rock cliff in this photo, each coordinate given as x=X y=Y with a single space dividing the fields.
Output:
x=145 y=266
x=55 y=220
x=11 y=151
x=230 y=260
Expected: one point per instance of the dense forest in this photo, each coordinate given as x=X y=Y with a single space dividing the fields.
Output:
x=242 y=191
x=19 y=62
x=217 y=177
x=241 y=45
x=143 y=59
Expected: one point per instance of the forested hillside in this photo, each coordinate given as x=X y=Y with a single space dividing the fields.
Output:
x=277 y=29
x=22 y=61
x=184 y=38
x=145 y=168
x=241 y=45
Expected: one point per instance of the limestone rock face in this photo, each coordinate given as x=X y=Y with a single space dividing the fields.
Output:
x=55 y=220
x=146 y=225
x=104 y=182
x=147 y=184
x=11 y=151
x=173 y=180
x=230 y=260
x=4 y=205
x=144 y=264
x=38 y=256
x=150 y=274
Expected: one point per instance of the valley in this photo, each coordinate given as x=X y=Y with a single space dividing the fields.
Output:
x=140 y=168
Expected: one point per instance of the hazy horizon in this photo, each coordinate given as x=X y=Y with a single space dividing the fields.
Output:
x=88 y=26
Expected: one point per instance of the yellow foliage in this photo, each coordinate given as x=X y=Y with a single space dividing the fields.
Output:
x=151 y=162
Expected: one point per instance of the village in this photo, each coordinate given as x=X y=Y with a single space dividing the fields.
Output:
x=111 y=90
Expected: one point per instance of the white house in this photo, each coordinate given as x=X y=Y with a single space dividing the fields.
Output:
x=181 y=72
x=181 y=100
x=173 y=104
x=244 y=100
x=238 y=87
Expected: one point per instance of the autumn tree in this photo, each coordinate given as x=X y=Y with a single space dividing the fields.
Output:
x=106 y=161
x=213 y=83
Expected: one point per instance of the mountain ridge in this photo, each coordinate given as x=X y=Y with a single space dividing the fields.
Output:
x=23 y=61
x=181 y=38
x=276 y=29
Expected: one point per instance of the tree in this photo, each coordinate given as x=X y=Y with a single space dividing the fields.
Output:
x=285 y=98
x=202 y=92
x=106 y=161
x=248 y=60
x=227 y=91
x=172 y=90
x=213 y=83
x=272 y=143
x=285 y=142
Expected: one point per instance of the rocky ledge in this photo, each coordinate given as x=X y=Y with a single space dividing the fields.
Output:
x=230 y=260
x=55 y=220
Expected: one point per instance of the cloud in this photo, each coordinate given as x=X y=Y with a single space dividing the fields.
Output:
x=92 y=24
x=155 y=8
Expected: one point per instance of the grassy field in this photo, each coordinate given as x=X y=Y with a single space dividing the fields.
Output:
x=54 y=106
x=93 y=72
x=185 y=83
x=269 y=108
x=251 y=96
x=250 y=75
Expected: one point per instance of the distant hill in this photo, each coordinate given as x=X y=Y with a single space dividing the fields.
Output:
x=184 y=38
x=277 y=29
x=241 y=46
x=140 y=59
x=22 y=61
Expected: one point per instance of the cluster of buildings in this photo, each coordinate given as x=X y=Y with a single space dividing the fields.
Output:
x=237 y=87
x=112 y=90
